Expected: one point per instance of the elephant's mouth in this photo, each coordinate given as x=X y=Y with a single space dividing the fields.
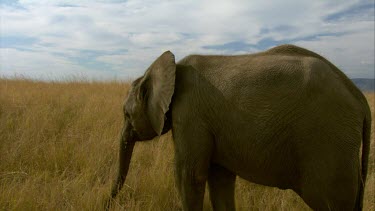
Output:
x=133 y=136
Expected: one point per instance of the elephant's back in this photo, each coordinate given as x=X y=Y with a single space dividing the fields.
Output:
x=253 y=81
x=282 y=76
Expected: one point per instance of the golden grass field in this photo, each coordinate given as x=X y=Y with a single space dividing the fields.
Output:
x=59 y=145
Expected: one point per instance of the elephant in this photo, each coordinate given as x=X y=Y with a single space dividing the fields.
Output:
x=285 y=118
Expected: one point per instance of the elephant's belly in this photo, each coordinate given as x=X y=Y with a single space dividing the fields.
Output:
x=270 y=165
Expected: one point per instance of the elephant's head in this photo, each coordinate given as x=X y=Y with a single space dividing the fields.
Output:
x=144 y=110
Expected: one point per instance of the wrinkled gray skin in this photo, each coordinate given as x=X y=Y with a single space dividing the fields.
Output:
x=284 y=118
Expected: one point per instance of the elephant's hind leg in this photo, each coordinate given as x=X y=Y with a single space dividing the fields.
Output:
x=221 y=185
x=334 y=188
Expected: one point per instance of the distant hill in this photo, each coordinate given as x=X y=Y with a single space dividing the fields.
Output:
x=365 y=84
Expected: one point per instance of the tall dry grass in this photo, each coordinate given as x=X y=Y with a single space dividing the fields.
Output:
x=58 y=151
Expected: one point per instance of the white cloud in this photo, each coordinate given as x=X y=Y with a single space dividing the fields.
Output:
x=130 y=34
x=151 y=39
x=16 y=62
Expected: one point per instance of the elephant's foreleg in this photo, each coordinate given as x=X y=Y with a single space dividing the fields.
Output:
x=193 y=148
x=221 y=185
x=191 y=185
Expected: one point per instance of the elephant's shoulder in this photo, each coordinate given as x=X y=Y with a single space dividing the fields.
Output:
x=190 y=60
x=197 y=60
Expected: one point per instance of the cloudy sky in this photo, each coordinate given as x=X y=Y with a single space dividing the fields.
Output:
x=107 y=39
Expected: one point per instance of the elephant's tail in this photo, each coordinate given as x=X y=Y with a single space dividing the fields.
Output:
x=365 y=156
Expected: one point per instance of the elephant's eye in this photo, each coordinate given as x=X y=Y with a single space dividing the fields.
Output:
x=127 y=115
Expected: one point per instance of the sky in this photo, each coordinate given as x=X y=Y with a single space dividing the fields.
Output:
x=119 y=39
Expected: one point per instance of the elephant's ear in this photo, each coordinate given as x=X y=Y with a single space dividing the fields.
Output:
x=157 y=87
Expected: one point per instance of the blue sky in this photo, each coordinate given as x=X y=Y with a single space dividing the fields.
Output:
x=115 y=39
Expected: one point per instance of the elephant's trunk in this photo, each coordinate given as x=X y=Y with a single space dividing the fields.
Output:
x=126 y=149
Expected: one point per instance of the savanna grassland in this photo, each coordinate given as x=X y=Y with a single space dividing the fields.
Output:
x=59 y=145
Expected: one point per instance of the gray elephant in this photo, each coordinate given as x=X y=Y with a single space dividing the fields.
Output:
x=285 y=118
